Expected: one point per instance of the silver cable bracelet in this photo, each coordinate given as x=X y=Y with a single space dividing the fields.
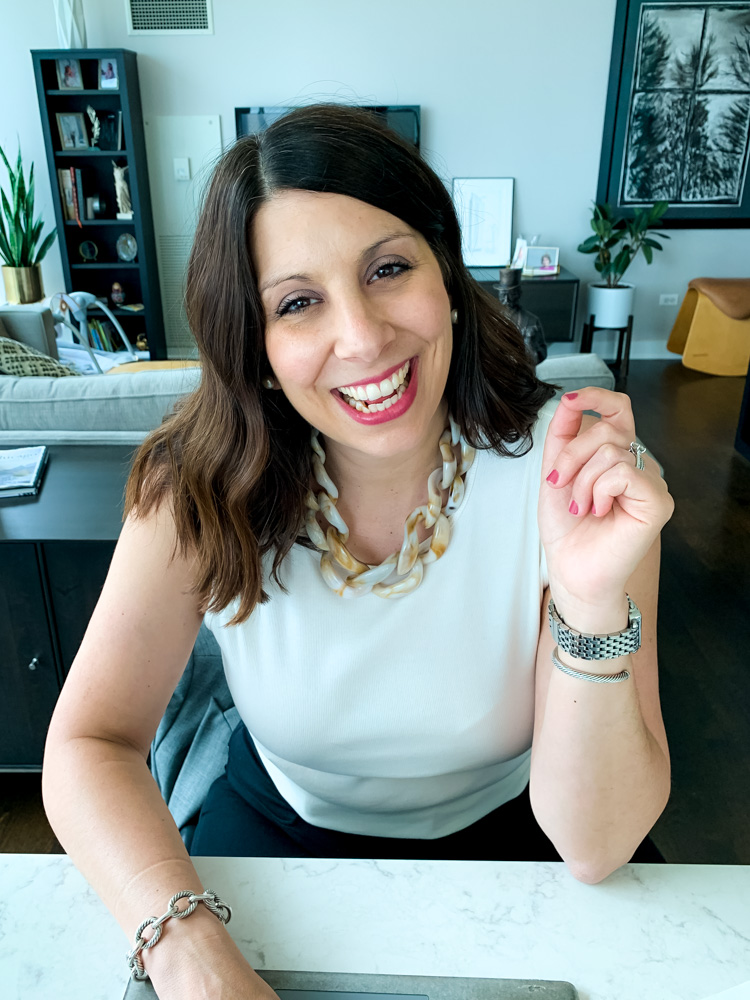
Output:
x=211 y=900
x=581 y=675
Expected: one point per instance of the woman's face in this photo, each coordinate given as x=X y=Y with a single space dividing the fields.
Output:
x=358 y=327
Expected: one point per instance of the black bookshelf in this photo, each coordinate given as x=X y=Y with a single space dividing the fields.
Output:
x=139 y=279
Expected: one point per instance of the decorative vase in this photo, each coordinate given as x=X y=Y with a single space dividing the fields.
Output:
x=71 y=26
x=23 y=284
x=529 y=325
x=610 y=307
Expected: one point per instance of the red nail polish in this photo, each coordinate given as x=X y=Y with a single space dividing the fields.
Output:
x=553 y=476
x=573 y=507
x=571 y=395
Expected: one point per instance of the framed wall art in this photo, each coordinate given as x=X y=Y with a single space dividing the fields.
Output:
x=677 y=120
x=484 y=206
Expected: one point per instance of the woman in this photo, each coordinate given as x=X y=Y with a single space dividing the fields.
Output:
x=367 y=426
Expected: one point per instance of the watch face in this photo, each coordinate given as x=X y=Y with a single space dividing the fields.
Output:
x=127 y=248
x=88 y=250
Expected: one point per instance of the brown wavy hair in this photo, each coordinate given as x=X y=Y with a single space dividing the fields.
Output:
x=234 y=459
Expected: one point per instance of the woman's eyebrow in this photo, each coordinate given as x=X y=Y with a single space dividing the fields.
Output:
x=367 y=252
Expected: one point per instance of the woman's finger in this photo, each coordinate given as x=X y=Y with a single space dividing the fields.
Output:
x=576 y=455
x=615 y=410
x=606 y=457
x=639 y=492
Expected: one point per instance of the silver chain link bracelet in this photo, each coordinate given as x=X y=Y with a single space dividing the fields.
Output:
x=211 y=900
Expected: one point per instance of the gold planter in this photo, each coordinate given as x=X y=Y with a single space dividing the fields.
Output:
x=23 y=284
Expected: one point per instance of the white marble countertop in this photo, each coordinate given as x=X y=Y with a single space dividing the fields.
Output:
x=649 y=932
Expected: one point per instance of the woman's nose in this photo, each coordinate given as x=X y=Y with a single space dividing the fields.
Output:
x=361 y=330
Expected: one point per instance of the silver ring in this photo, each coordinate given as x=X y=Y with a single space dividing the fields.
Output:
x=637 y=450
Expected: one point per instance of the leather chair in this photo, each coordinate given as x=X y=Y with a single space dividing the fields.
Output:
x=712 y=329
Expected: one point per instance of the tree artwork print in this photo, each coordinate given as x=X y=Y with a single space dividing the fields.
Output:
x=688 y=131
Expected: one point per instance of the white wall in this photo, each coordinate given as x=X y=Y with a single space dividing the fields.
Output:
x=506 y=89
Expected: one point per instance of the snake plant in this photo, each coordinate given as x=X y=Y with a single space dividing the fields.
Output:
x=19 y=241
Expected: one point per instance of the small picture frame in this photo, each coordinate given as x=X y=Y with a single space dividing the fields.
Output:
x=108 y=78
x=72 y=129
x=542 y=261
x=69 y=74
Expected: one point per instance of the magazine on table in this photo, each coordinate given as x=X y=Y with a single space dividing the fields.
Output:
x=21 y=470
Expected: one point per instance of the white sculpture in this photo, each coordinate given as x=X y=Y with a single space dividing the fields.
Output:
x=122 y=193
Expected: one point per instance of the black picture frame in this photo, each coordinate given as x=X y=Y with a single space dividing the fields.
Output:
x=677 y=117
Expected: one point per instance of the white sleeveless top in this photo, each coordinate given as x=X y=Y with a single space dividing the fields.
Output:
x=409 y=717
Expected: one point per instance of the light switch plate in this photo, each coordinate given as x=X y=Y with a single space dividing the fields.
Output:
x=181 y=168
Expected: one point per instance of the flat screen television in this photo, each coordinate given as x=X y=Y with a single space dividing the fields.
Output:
x=402 y=118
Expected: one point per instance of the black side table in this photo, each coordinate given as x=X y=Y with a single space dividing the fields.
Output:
x=622 y=361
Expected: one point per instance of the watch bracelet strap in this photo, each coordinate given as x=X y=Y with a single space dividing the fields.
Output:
x=584 y=646
x=584 y=676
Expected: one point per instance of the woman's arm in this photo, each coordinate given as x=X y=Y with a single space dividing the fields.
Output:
x=600 y=762
x=101 y=800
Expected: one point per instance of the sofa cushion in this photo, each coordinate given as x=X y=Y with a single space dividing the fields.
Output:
x=574 y=371
x=88 y=403
x=20 y=360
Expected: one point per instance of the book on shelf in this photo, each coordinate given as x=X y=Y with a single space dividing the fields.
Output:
x=21 y=470
x=134 y=307
x=102 y=335
x=66 y=194
x=76 y=204
x=110 y=134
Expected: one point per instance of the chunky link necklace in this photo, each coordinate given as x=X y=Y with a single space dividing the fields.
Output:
x=408 y=563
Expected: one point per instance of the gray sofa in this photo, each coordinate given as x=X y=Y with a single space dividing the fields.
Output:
x=122 y=409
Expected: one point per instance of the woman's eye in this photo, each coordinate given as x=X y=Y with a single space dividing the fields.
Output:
x=389 y=265
x=293 y=305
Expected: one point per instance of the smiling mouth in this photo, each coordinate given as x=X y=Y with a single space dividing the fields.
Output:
x=373 y=397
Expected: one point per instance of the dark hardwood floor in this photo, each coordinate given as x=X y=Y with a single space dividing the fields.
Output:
x=688 y=420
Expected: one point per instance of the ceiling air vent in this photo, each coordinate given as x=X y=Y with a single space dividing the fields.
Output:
x=169 y=17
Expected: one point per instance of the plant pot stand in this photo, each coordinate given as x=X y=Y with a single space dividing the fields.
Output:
x=622 y=361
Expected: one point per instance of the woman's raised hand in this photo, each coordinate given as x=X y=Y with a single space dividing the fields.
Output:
x=598 y=514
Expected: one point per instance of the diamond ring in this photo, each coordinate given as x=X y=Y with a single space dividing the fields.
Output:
x=637 y=450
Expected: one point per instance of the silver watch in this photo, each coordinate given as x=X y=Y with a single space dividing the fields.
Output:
x=597 y=647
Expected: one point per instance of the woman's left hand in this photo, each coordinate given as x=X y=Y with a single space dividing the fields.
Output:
x=598 y=514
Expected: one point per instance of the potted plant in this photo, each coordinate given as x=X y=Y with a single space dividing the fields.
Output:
x=616 y=243
x=22 y=274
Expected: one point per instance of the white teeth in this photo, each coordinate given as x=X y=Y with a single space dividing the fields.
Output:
x=372 y=391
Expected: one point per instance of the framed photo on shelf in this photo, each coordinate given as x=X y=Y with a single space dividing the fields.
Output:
x=72 y=129
x=69 y=74
x=677 y=118
x=108 y=79
x=485 y=212
x=541 y=261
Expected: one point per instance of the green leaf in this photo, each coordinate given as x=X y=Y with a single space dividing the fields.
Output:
x=648 y=253
x=11 y=175
x=49 y=240
x=589 y=245
x=4 y=245
x=7 y=209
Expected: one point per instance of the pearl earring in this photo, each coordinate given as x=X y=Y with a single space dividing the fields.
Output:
x=267 y=382
x=454 y=316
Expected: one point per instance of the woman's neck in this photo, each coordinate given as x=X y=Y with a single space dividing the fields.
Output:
x=376 y=495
